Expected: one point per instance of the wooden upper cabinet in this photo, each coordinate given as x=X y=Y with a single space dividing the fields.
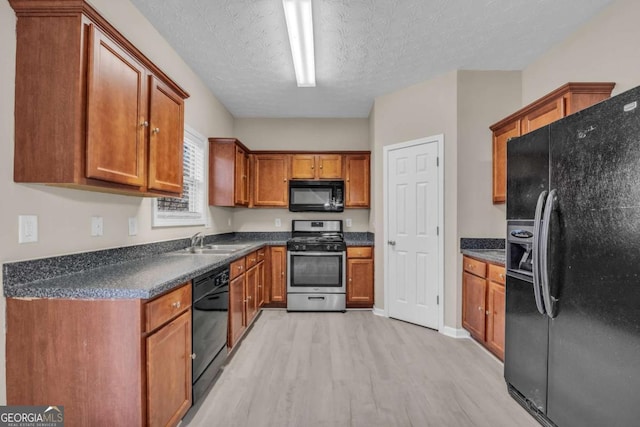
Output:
x=166 y=128
x=500 y=138
x=228 y=172
x=82 y=120
x=115 y=111
x=241 y=181
x=316 y=166
x=357 y=180
x=270 y=180
x=567 y=99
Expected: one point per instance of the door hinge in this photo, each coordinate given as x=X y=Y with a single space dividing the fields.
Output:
x=437 y=161
x=437 y=299
x=437 y=230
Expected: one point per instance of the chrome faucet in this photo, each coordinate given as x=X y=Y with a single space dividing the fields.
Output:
x=195 y=238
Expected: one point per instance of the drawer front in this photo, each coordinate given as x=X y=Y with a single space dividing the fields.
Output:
x=262 y=252
x=474 y=266
x=497 y=274
x=166 y=307
x=359 y=252
x=237 y=268
x=251 y=260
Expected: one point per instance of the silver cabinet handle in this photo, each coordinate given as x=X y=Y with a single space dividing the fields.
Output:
x=193 y=356
x=176 y=304
x=144 y=124
x=156 y=130
x=549 y=207
x=536 y=252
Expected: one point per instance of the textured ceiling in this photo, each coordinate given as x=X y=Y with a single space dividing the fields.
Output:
x=364 y=48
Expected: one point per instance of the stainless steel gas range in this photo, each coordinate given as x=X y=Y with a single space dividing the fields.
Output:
x=316 y=255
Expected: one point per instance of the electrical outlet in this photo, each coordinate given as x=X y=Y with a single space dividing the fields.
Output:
x=278 y=222
x=97 y=226
x=229 y=222
x=27 y=228
x=133 y=226
x=349 y=222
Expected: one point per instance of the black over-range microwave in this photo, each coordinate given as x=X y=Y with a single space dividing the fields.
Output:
x=316 y=196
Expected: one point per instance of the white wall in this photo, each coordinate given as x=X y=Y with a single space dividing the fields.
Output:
x=422 y=110
x=64 y=214
x=603 y=50
x=484 y=98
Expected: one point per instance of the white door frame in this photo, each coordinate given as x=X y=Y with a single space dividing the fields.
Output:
x=439 y=140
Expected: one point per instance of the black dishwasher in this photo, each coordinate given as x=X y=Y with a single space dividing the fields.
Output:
x=209 y=339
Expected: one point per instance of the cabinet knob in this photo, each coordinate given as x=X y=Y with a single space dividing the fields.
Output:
x=156 y=130
x=350 y=279
x=253 y=260
x=501 y=276
x=487 y=312
x=312 y=167
x=284 y=180
x=176 y=304
x=259 y=286
x=245 y=301
x=282 y=274
x=249 y=299
x=479 y=308
x=144 y=124
x=193 y=356
x=320 y=166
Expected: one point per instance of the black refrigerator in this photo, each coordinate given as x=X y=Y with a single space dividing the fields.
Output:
x=572 y=345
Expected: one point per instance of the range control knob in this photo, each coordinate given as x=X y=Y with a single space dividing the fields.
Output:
x=296 y=247
x=304 y=247
x=328 y=247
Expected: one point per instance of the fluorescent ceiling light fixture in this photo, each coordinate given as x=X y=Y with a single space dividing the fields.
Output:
x=300 y=27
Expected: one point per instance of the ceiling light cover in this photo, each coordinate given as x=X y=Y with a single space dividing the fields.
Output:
x=300 y=27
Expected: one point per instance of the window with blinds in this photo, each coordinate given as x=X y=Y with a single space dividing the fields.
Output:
x=190 y=209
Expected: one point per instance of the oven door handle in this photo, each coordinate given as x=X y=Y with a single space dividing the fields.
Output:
x=316 y=253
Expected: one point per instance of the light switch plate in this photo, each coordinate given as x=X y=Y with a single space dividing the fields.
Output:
x=133 y=226
x=27 y=228
x=349 y=222
x=278 y=222
x=97 y=226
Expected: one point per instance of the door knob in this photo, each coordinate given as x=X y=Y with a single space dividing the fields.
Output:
x=392 y=242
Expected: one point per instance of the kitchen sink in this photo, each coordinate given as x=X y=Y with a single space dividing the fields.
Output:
x=213 y=249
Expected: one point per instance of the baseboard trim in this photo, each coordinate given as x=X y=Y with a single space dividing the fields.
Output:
x=455 y=333
x=379 y=312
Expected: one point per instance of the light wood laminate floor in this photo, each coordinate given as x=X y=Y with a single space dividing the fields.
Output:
x=356 y=369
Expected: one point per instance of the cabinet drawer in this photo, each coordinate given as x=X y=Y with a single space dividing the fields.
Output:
x=261 y=253
x=165 y=308
x=251 y=260
x=237 y=268
x=474 y=266
x=359 y=252
x=496 y=273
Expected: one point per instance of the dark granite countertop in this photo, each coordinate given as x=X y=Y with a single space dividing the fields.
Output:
x=495 y=256
x=140 y=272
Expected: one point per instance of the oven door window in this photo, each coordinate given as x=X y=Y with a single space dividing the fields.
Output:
x=316 y=271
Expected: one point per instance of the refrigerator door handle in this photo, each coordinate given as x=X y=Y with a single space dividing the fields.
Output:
x=550 y=206
x=536 y=253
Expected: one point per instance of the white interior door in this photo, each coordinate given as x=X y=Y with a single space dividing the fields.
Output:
x=413 y=219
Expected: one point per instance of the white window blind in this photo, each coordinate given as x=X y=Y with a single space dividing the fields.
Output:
x=190 y=209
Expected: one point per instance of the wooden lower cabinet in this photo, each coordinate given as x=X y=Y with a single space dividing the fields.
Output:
x=92 y=356
x=278 y=283
x=360 y=277
x=236 y=310
x=169 y=372
x=251 y=294
x=483 y=303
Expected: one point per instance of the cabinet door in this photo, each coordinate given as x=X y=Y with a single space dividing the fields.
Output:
x=260 y=287
x=236 y=310
x=166 y=138
x=357 y=179
x=169 y=372
x=270 y=180
x=241 y=178
x=500 y=138
x=329 y=166
x=473 y=305
x=278 y=274
x=360 y=283
x=495 y=319
x=251 y=291
x=116 y=111
x=543 y=115
x=303 y=166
